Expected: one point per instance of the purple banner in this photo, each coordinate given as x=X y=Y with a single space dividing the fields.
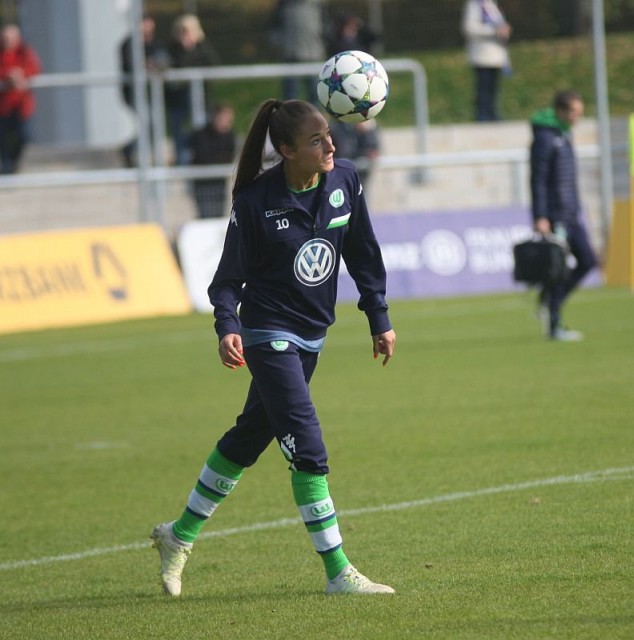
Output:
x=448 y=253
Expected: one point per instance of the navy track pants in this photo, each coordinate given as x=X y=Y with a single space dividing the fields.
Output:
x=278 y=406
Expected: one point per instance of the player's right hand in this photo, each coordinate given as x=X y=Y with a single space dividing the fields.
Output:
x=230 y=351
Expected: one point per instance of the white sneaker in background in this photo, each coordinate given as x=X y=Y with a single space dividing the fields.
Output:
x=566 y=335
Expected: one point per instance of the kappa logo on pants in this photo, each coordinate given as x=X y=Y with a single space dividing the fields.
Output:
x=287 y=445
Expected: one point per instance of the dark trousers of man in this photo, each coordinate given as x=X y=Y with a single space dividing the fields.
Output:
x=178 y=118
x=14 y=134
x=278 y=406
x=586 y=260
x=486 y=86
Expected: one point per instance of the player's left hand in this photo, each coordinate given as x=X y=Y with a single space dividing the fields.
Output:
x=384 y=344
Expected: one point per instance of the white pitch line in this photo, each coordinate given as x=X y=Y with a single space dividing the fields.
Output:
x=623 y=473
x=108 y=345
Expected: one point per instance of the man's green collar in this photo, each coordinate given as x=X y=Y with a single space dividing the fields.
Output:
x=548 y=118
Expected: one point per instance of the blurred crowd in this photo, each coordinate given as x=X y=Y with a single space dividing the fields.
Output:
x=300 y=30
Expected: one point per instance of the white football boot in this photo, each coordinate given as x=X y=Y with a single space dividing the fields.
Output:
x=353 y=582
x=174 y=554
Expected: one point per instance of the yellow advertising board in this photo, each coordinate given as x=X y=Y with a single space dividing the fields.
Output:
x=632 y=147
x=619 y=266
x=86 y=276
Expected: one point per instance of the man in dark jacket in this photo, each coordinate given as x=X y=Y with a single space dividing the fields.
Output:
x=215 y=143
x=556 y=207
x=155 y=58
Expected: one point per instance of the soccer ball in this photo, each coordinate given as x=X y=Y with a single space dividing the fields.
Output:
x=353 y=86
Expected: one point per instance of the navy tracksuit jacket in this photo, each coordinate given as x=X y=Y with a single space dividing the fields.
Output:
x=280 y=264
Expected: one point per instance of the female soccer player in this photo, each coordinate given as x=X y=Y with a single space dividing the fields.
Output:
x=290 y=226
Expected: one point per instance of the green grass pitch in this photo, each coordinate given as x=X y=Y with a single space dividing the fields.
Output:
x=486 y=474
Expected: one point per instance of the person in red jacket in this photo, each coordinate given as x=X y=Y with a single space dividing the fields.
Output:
x=18 y=63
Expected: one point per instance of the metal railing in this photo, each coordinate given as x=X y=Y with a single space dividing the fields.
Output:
x=154 y=175
x=153 y=172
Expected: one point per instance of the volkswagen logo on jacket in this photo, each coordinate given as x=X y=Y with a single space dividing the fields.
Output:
x=315 y=262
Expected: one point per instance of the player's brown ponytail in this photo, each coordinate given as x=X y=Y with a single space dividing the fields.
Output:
x=250 y=161
x=281 y=119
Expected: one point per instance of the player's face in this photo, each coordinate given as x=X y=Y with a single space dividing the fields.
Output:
x=313 y=151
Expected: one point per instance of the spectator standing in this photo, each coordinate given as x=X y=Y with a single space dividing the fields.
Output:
x=556 y=206
x=487 y=33
x=155 y=60
x=302 y=38
x=358 y=142
x=188 y=47
x=18 y=63
x=349 y=33
x=215 y=143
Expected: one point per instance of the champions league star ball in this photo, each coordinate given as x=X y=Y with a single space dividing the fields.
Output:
x=353 y=86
